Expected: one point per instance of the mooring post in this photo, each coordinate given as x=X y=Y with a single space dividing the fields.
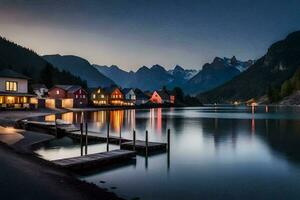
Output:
x=107 y=139
x=168 y=148
x=81 y=135
x=120 y=135
x=133 y=140
x=146 y=143
x=86 y=137
x=56 y=133
x=168 y=136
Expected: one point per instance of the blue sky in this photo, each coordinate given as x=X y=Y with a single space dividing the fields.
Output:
x=138 y=32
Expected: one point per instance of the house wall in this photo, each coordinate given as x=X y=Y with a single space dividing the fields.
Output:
x=155 y=98
x=99 y=97
x=22 y=84
x=130 y=95
x=80 y=98
x=116 y=97
x=52 y=93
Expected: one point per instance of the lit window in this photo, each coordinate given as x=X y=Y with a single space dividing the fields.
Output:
x=102 y=96
x=84 y=96
x=94 y=96
x=76 y=96
x=57 y=91
x=11 y=86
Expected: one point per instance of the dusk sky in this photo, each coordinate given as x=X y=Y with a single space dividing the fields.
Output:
x=138 y=32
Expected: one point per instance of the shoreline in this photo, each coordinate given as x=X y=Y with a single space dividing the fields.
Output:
x=54 y=181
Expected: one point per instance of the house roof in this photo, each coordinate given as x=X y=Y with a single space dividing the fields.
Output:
x=8 y=73
x=109 y=90
x=126 y=90
x=69 y=88
x=163 y=94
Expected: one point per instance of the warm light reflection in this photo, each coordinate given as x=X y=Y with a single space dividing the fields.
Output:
x=67 y=117
x=159 y=120
x=50 y=118
x=100 y=118
x=156 y=119
x=253 y=125
x=116 y=120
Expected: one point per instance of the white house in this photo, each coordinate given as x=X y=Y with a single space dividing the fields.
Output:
x=14 y=90
x=129 y=96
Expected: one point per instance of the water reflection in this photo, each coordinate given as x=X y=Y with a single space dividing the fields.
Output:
x=256 y=148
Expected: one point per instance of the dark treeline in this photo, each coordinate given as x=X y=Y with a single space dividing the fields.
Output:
x=287 y=88
x=29 y=63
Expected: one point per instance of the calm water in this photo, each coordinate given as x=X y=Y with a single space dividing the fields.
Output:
x=216 y=152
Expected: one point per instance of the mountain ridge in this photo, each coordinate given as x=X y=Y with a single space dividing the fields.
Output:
x=79 y=67
x=278 y=64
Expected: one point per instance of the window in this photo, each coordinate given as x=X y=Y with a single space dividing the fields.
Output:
x=83 y=96
x=94 y=96
x=11 y=86
x=76 y=96
x=102 y=96
x=57 y=91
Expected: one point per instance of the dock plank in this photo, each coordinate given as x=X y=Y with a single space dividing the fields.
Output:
x=92 y=160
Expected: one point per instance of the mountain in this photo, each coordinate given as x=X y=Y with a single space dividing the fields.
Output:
x=270 y=71
x=29 y=63
x=180 y=76
x=79 y=67
x=118 y=75
x=145 y=78
x=152 y=78
x=215 y=74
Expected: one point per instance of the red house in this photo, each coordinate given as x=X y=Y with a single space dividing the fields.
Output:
x=162 y=97
x=67 y=96
x=115 y=96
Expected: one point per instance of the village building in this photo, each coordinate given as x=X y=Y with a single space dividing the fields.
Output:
x=67 y=96
x=162 y=97
x=14 y=90
x=141 y=97
x=99 y=97
x=129 y=96
x=115 y=96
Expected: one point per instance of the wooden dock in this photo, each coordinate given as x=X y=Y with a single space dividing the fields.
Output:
x=95 y=160
x=140 y=146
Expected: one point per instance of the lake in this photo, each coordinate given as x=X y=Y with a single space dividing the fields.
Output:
x=216 y=152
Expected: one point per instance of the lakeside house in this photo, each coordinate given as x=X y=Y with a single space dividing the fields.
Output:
x=129 y=96
x=162 y=97
x=99 y=97
x=14 y=90
x=67 y=96
x=115 y=96
x=141 y=97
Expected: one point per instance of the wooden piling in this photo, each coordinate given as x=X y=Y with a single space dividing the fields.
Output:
x=146 y=140
x=56 y=133
x=168 y=137
x=81 y=137
x=107 y=137
x=86 y=137
x=134 y=138
x=120 y=134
